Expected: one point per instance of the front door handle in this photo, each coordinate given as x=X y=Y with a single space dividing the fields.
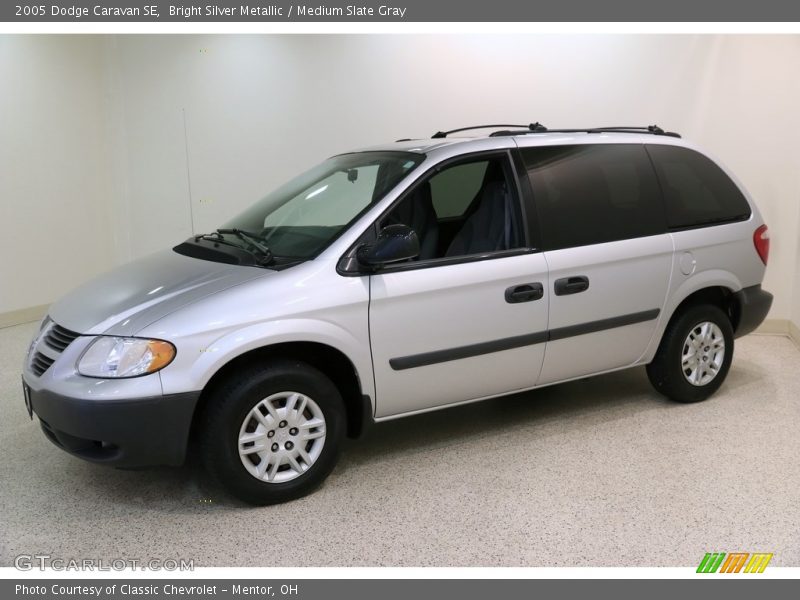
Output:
x=571 y=285
x=524 y=293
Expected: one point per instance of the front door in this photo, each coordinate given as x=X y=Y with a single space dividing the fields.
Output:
x=469 y=319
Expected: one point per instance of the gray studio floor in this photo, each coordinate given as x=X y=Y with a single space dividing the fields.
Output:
x=599 y=472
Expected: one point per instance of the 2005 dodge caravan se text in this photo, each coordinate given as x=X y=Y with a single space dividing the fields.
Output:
x=401 y=279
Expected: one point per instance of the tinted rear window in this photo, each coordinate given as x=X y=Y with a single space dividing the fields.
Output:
x=590 y=194
x=696 y=191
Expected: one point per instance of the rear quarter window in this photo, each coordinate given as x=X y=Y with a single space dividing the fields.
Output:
x=696 y=191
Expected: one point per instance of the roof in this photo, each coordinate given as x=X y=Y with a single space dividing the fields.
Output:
x=422 y=146
x=507 y=138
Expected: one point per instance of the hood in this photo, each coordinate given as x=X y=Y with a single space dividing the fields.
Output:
x=123 y=301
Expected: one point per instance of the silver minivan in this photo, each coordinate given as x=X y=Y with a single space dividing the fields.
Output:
x=405 y=278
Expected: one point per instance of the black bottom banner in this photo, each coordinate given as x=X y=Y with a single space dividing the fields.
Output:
x=402 y=589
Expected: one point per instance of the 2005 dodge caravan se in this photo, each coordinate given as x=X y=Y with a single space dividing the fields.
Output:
x=401 y=279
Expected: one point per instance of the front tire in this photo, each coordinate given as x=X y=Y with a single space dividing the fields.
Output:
x=694 y=356
x=272 y=433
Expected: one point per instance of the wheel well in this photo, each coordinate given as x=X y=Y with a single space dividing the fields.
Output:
x=330 y=361
x=717 y=296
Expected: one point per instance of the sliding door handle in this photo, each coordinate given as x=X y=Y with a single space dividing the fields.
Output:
x=524 y=292
x=571 y=285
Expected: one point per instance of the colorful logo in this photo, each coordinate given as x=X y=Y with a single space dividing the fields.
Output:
x=734 y=562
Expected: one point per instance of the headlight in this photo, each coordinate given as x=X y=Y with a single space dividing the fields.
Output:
x=110 y=357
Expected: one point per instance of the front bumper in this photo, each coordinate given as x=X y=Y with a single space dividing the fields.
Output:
x=125 y=433
x=752 y=304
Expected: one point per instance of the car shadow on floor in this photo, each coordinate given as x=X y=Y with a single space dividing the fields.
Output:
x=593 y=399
x=580 y=403
x=587 y=401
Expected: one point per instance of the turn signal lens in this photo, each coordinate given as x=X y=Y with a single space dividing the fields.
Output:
x=761 y=242
x=162 y=354
x=115 y=357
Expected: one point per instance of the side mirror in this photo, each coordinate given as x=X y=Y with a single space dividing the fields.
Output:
x=395 y=243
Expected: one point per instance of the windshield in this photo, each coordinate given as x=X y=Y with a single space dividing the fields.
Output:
x=299 y=219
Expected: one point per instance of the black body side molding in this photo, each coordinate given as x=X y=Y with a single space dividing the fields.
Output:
x=519 y=341
x=439 y=356
x=572 y=330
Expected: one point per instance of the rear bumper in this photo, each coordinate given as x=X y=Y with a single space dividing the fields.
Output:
x=753 y=305
x=124 y=433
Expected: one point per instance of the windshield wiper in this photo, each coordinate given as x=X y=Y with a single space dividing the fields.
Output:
x=253 y=239
x=216 y=238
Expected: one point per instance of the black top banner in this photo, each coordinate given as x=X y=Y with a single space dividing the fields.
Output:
x=402 y=11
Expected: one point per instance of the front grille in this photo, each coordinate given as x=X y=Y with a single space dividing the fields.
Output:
x=40 y=363
x=52 y=341
x=58 y=338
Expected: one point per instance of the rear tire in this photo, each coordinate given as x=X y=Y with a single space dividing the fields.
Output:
x=694 y=356
x=272 y=433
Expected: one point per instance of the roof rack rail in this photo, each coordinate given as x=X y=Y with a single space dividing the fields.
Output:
x=651 y=129
x=443 y=134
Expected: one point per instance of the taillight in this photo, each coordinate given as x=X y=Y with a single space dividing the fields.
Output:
x=761 y=241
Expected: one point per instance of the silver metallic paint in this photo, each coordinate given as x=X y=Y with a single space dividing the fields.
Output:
x=213 y=313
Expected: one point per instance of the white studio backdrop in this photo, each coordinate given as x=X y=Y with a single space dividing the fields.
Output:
x=112 y=147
